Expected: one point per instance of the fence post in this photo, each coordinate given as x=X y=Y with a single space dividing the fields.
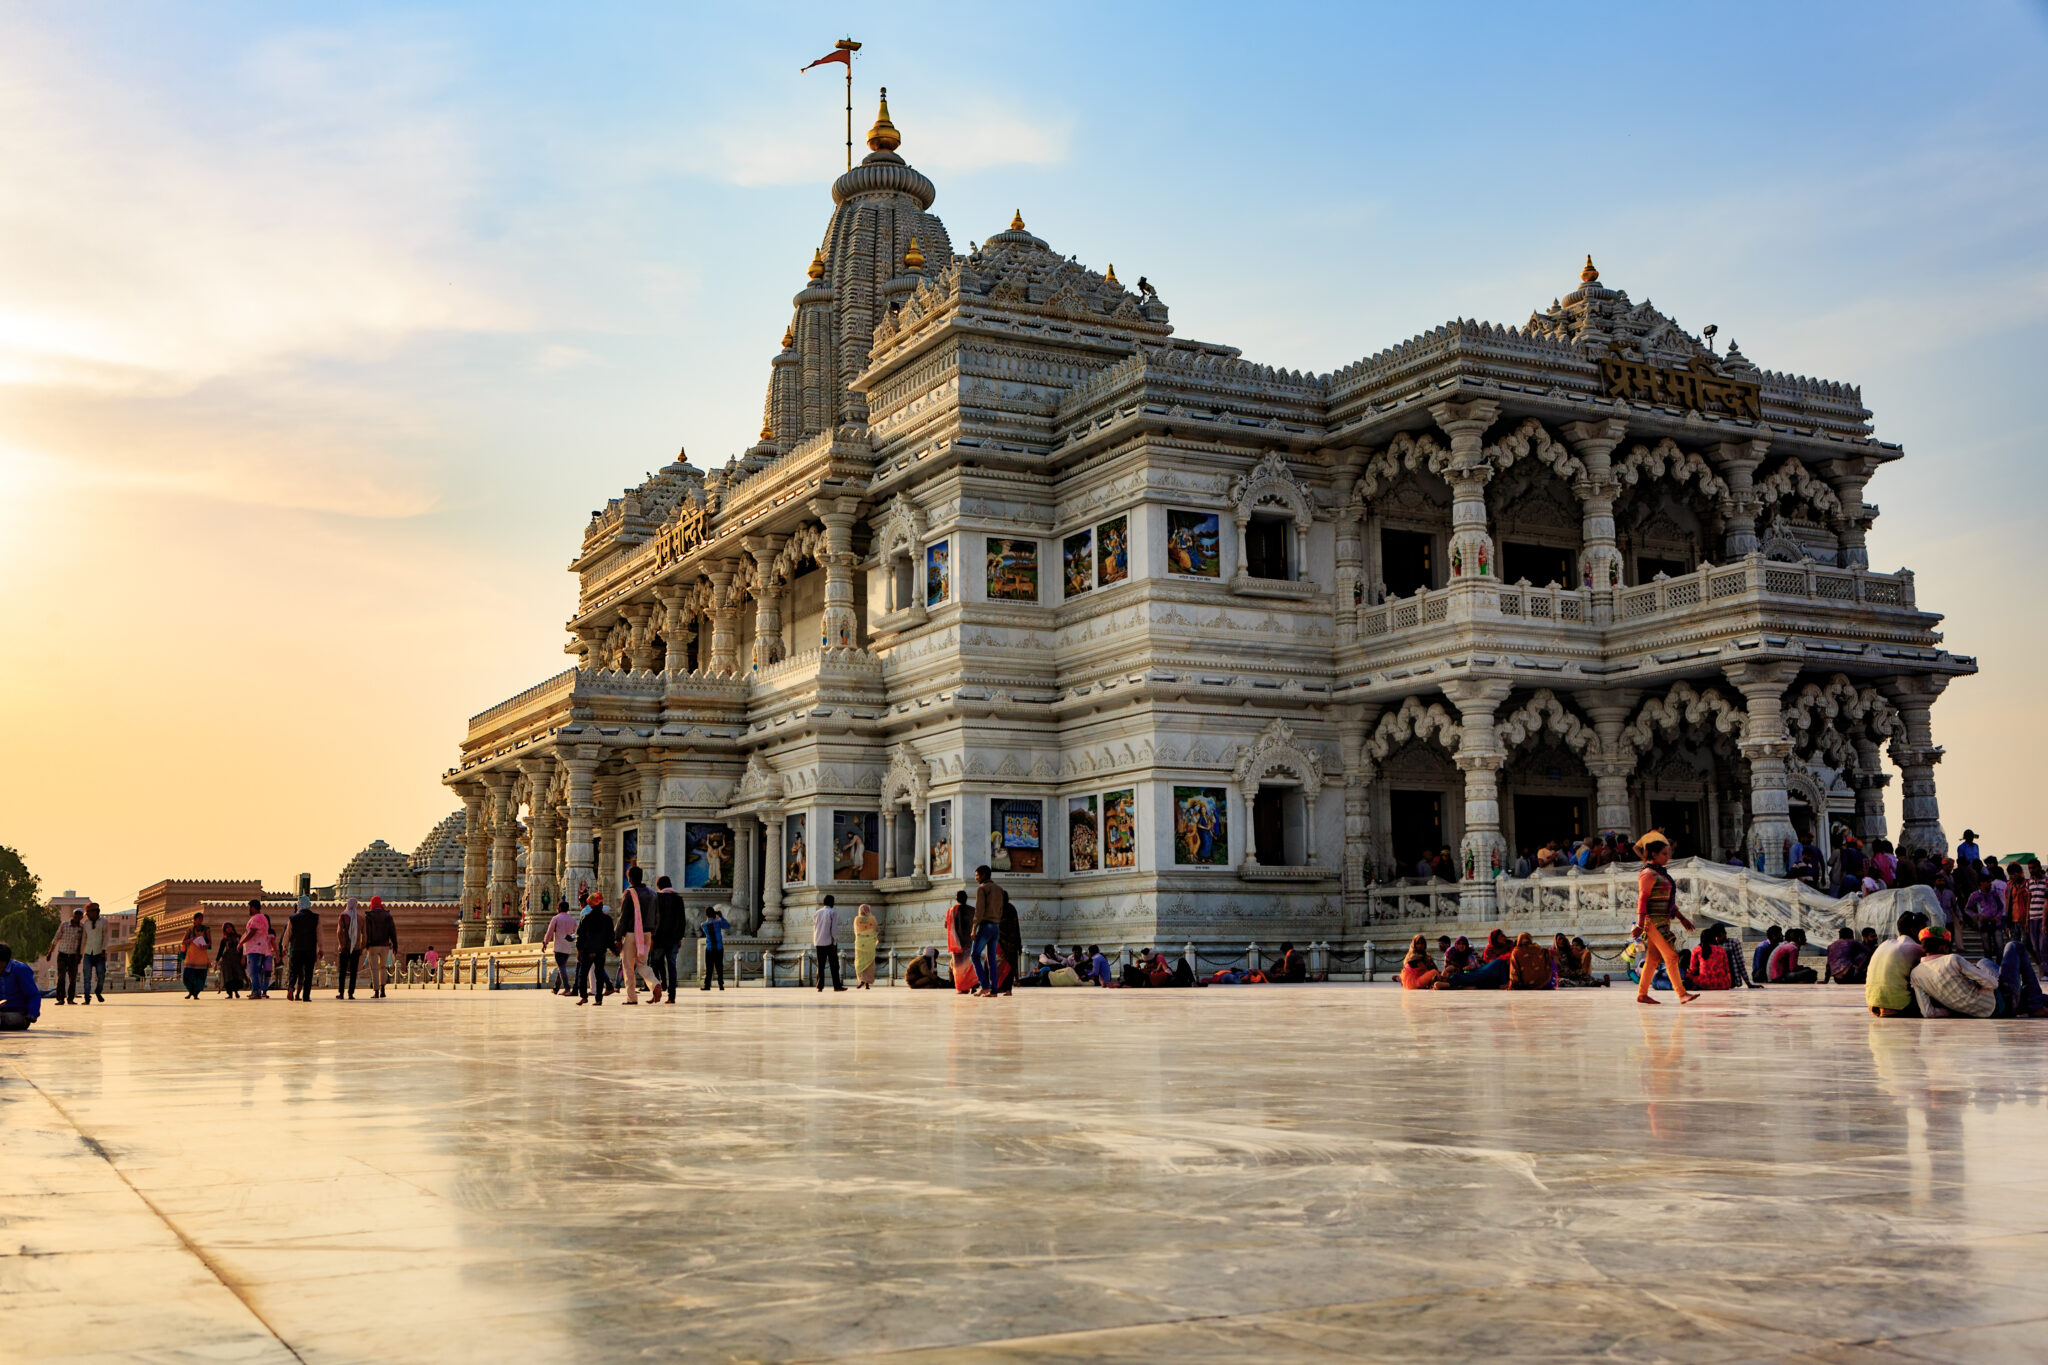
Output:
x=892 y=966
x=1371 y=959
x=1188 y=956
x=1251 y=957
x=491 y=973
x=767 y=968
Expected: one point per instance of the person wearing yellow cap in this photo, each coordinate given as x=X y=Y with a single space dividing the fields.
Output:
x=1656 y=907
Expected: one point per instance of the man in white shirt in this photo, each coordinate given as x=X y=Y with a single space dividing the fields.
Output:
x=825 y=938
x=69 y=947
x=93 y=944
x=560 y=936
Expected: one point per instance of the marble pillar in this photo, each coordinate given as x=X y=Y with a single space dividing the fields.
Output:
x=768 y=648
x=1916 y=753
x=918 y=837
x=604 y=795
x=1472 y=549
x=540 y=856
x=1737 y=462
x=1610 y=763
x=743 y=834
x=640 y=652
x=676 y=633
x=1349 y=567
x=1599 y=556
x=504 y=886
x=1482 y=850
x=476 y=864
x=580 y=874
x=840 y=628
x=772 y=874
x=888 y=841
x=1849 y=478
x=725 y=618
x=1764 y=743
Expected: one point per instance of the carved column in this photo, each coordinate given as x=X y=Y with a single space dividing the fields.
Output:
x=1472 y=549
x=581 y=872
x=771 y=877
x=918 y=836
x=889 y=841
x=640 y=640
x=1611 y=766
x=1848 y=478
x=1479 y=758
x=675 y=630
x=1916 y=753
x=541 y=892
x=476 y=864
x=1599 y=557
x=1737 y=463
x=647 y=767
x=725 y=618
x=604 y=793
x=1766 y=746
x=841 y=626
x=767 y=599
x=1869 y=780
x=504 y=847
x=1354 y=724
x=743 y=835
x=1349 y=593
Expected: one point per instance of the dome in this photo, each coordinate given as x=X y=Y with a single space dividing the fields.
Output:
x=437 y=862
x=379 y=870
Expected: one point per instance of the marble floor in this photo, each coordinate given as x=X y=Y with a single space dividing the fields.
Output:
x=1251 y=1173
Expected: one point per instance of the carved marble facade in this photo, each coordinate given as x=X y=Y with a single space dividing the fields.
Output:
x=1015 y=575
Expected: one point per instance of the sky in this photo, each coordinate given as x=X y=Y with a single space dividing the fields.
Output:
x=323 y=327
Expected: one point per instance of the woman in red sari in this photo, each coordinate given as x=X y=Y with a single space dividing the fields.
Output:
x=1656 y=907
x=959 y=937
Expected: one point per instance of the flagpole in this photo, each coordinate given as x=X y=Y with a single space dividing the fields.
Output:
x=849 y=47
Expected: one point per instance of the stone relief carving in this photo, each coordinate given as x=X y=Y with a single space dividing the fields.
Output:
x=1271 y=482
x=1275 y=751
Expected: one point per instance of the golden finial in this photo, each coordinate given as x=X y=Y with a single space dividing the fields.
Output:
x=817 y=270
x=1017 y=221
x=1590 y=273
x=767 y=432
x=788 y=337
x=913 y=259
x=1111 y=276
x=883 y=137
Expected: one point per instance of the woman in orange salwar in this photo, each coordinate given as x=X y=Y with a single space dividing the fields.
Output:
x=1656 y=907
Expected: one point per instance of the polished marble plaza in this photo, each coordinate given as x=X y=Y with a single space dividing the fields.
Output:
x=1254 y=1173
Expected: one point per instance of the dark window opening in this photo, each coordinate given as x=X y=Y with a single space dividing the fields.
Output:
x=1417 y=827
x=1540 y=819
x=1542 y=565
x=1680 y=821
x=1407 y=561
x=1269 y=828
x=1648 y=567
x=1265 y=548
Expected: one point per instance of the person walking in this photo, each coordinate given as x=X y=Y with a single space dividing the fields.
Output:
x=93 y=946
x=713 y=930
x=560 y=939
x=636 y=931
x=825 y=938
x=594 y=935
x=671 y=922
x=867 y=936
x=348 y=950
x=304 y=931
x=259 y=951
x=380 y=940
x=197 y=954
x=1656 y=907
x=21 y=1000
x=69 y=946
x=232 y=977
x=1010 y=945
x=989 y=900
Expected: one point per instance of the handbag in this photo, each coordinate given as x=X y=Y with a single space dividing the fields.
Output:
x=1063 y=976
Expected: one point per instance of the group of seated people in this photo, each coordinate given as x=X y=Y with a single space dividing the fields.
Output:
x=1523 y=964
x=1588 y=855
x=1147 y=969
x=1917 y=975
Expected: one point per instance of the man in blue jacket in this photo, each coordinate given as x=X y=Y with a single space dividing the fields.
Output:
x=21 y=1002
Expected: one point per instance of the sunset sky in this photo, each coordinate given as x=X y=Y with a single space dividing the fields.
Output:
x=322 y=328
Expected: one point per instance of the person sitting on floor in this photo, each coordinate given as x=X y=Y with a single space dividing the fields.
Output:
x=1459 y=957
x=1845 y=959
x=923 y=974
x=1574 y=963
x=1290 y=968
x=1785 y=968
x=21 y=1000
x=1887 y=985
x=1418 y=969
x=1497 y=947
x=1529 y=966
x=1946 y=984
x=1713 y=965
x=1760 y=961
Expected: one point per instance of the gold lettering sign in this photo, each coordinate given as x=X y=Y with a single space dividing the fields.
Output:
x=1696 y=387
x=680 y=536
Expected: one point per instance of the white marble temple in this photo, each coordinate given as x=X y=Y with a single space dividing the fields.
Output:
x=1227 y=1174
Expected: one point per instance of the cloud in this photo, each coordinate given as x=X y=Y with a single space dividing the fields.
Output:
x=318 y=211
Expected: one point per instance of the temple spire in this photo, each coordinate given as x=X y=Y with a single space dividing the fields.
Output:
x=883 y=137
x=1591 y=273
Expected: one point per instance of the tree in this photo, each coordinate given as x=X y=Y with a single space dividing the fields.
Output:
x=142 y=955
x=26 y=924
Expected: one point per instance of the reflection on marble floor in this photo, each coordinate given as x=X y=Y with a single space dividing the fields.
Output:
x=1231 y=1174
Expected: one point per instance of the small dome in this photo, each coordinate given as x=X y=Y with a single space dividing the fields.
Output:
x=379 y=870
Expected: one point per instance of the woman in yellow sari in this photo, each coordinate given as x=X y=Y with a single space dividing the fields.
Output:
x=867 y=933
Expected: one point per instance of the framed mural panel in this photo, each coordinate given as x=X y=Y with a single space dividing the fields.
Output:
x=1194 y=544
x=796 y=858
x=1083 y=836
x=1120 y=828
x=1016 y=830
x=1201 y=826
x=856 y=856
x=939 y=857
x=707 y=856
x=1012 y=570
x=938 y=573
x=1077 y=563
x=1113 y=551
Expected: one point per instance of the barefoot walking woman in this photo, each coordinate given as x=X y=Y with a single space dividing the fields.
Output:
x=1656 y=907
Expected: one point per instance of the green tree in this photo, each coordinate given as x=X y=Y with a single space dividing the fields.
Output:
x=26 y=924
x=143 y=952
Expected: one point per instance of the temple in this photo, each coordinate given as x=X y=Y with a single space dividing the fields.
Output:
x=1190 y=648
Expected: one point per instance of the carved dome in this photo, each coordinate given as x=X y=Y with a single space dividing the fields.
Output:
x=379 y=870
x=437 y=862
